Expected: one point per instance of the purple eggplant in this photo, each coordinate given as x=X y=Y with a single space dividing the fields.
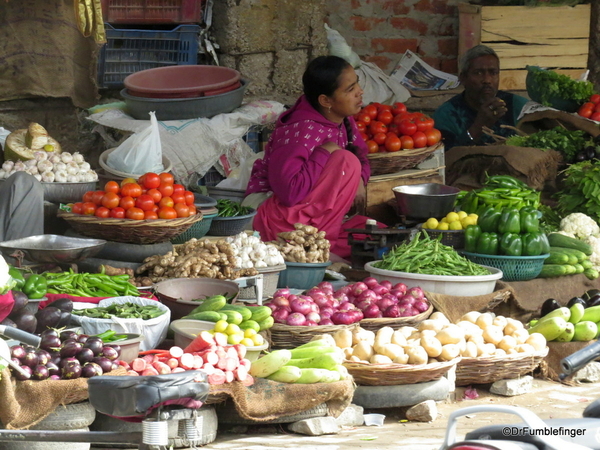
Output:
x=25 y=320
x=40 y=372
x=53 y=369
x=85 y=355
x=47 y=318
x=70 y=349
x=50 y=342
x=63 y=362
x=110 y=353
x=54 y=377
x=20 y=376
x=104 y=363
x=91 y=369
x=82 y=338
x=43 y=356
x=50 y=332
x=95 y=344
x=17 y=351
x=21 y=301
x=67 y=334
x=31 y=358
x=71 y=370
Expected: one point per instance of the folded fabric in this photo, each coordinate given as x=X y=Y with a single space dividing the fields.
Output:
x=6 y=305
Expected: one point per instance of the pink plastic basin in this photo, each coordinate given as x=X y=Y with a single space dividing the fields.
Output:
x=182 y=81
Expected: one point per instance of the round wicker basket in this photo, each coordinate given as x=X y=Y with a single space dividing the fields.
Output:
x=489 y=369
x=394 y=374
x=128 y=230
x=286 y=336
x=390 y=162
x=376 y=324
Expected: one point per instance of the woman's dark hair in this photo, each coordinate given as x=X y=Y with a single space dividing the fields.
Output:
x=321 y=78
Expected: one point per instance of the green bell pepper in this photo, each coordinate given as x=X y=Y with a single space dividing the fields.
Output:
x=545 y=244
x=487 y=244
x=472 y=233
x=510 y=221
x=529 y=220
x=18 y=277
x=534 y=244
x=488 y=220
x=511 y=244
x=35 y=287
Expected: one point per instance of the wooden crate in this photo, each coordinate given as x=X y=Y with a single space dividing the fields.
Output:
x=379 y=190
x=552 y=37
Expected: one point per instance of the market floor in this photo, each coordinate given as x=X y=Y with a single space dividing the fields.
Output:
x=547 y=399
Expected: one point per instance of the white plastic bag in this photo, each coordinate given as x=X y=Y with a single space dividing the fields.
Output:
x=337 y=46
x=378 y=87
x=153 y=330
x=140 y=152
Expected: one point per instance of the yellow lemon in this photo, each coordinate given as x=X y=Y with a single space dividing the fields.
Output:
x=431 y=223
x=444 y=220
x=221 y=326
x=456 y=225
x=462 y=214
x=247 y=342
x=249 y=332
x=232 y=328
x=475 y=216
x=258 y=339
x=235 y=338
x=468 y=221
x=452 y=217
x=443 y=225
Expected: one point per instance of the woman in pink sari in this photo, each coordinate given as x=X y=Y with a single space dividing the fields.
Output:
x=315 y=167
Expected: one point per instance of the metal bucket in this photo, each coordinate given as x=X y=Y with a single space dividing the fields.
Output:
x=421 y=201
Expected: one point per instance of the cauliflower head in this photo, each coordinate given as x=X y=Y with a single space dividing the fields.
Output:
x=594 y=242
x=580 y=226
x=6 y=281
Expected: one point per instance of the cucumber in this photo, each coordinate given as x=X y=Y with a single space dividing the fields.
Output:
x=310 y=352
x=591 y=274
x=577 y=310
x=243 y=310
x=266 y=323
x=311 y=375
x=585 y=331
x=232 y=316
x=209 y=316
x=323 y=361
x=592 y=314
x=550 y=329
x=270 y=363
x=260 y=313
x=250 y=324
x=560 y=240
x=567 y=335
x=554 y=270
x=287 y=374
x=563 y=312
x=573 y=253
x=557 y=257
x=214 y=303
x=578 y=268
x=587 y=264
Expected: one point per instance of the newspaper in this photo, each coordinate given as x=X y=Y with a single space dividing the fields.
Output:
x=414 y=73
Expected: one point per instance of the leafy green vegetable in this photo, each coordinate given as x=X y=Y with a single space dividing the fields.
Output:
x=581 y=190
x=552 y=84
x=560 y=139
x=550 y=221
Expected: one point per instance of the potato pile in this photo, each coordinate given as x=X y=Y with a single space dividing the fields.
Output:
x=194 y=259
x=306 y=244
x=436 y=339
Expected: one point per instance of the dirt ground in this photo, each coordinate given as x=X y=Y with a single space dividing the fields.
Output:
x=550 y=400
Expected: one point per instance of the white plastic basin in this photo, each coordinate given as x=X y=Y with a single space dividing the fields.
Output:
x=460 y=286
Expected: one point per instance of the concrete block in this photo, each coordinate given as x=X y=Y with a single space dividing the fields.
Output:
x=317 y=426
x=510 y=388
x=589 y=374
x=352 y=416
x=288 y=69
x=259 y=68
x=423 y=412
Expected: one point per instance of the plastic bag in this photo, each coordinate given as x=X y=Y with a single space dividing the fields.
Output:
x=139 y=153
x=154 y=330
x=379 y=87
x=337 y=46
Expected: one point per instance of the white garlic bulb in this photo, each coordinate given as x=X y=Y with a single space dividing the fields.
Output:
x=72 y=168
x=55 y=158
x=89 y=176
x=19 y=166
x=48 y=176
x=78 y=157
x=38 y=177
x=59 y=166
x=8 y=165
x=73 y=178
x=31 y=163
x=32 y=170
x=44 y=166
x=84 y=166
x=60 y=176
x=66 y=157
x=40 y=156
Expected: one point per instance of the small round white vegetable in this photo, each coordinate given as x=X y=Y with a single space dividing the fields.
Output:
x=73 y=178
x=31 y=163
x=54 y=158
x=44 y=165
x=40 y=156
x=66 y=157
x=20 y=165
x=32 y=170
x=72 y=168
x=85 y=166
x=78 y=157
x=60 y=176
x=37 y=176
x=8 y=165
x=59 y=166
x=48 y=176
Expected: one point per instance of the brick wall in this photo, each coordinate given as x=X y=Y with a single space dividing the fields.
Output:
x=380 y=31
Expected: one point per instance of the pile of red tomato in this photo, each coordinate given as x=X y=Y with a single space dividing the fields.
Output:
x=390 y=128
x=591 y=109
x=152 y=196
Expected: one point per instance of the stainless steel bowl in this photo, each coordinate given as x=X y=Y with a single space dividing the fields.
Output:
x=52 y=248
x=421 y=201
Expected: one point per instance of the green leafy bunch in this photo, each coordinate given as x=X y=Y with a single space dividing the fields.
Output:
x=552 y=84
x=581 y=190
x=560 y=139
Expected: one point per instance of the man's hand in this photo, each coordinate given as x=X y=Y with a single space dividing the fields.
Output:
x=491 y=111
x=360 y=200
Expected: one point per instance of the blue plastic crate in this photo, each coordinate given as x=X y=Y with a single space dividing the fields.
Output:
x=129 y=51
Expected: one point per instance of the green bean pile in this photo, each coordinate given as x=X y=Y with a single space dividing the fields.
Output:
x=229 y=208
x=121 y=310
x=428 y=256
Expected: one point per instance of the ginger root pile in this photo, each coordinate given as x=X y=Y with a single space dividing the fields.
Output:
x=194 y=259
x=306 y=244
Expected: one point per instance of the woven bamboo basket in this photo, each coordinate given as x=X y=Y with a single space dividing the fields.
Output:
x=394 y=374
x=395 y=323
x=286 y=336
x=390 y=162
x=485 y=370
x=128 y=230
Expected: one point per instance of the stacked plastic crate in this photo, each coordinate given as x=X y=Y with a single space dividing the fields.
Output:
x=143 y=34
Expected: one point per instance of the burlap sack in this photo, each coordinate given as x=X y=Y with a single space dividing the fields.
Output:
x=26 y=403
x=550 y=367
x=268 y=400
x=545 y=120
x=455 y=306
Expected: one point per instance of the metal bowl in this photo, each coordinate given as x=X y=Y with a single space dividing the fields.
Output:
x=422 y=201
x=52 y=248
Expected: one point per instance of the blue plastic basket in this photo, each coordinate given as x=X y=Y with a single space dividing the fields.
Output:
x=302 y=275
x=514 y=268
x=129 y=51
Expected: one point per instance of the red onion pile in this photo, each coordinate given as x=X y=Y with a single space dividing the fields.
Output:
x=365 y=299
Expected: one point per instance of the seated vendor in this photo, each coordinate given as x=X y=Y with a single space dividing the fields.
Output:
x=315 y=166
x=462 y=118
x=21 y=207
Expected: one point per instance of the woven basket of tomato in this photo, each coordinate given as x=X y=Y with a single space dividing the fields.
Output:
x=149 y=210
x=396 y=139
